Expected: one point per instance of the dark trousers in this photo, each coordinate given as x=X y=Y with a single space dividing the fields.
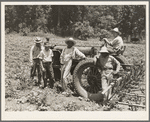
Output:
x=34 y=68
x=48 y=74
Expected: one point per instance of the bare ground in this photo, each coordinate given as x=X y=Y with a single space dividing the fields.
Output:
x=21 y=96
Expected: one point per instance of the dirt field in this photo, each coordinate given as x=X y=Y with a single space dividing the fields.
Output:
x=21 y=96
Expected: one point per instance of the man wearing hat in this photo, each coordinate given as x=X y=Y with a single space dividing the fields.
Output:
x=117 y=44
x=106 y=63
x=46 y=64
x=34 y=59
x=68 y=53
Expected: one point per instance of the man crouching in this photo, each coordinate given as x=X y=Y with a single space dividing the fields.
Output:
x=106 y=63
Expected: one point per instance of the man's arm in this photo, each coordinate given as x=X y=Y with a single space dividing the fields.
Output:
x=79 y=53
x=108 y=42
x=118 y=65
x=51 y=55
x=31 y=54
x=41 y=63
x=95 y=59
x=61 y=56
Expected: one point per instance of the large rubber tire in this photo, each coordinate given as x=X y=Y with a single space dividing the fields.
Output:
x=77 y=81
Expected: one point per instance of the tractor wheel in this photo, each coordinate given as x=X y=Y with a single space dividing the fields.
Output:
x=87 y=80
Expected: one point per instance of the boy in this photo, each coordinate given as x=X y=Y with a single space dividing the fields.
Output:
x=34 y=59
x=46 y=64
x=68 y=53
x=106 y=63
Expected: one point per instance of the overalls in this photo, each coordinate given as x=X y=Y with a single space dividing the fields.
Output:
x=106 y=66
x=48 y=74
x=36 y=63
x=65 y=71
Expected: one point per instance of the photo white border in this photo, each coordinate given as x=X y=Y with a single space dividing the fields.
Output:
x=77 y=115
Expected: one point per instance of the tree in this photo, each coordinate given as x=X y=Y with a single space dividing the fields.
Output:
x=130 y=19
x=133 y=19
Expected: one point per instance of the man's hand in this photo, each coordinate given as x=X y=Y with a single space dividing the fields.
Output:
x=105 y=39
x=85 y=58
x=43 y=69
x=114 y=72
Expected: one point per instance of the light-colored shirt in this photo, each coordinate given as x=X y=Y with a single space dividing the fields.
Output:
x=46 y=56
x=107 y=62
x=70 y=53
x=117 y=43
x=34 y=52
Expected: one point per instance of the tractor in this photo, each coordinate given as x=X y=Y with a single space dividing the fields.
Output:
x=86 y=76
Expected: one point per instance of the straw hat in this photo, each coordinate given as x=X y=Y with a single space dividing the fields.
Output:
x=116 y=30
x=70 y=40
x=46 y=44
x=37 y=40
x=104 y=50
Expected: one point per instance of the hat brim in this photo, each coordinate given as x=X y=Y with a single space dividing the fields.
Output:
x=38 y=42
x=103 y=51
x=46 y=45
x=116 y=32
x=73 y=42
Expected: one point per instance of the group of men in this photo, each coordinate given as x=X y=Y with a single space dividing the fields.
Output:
x=41 y=61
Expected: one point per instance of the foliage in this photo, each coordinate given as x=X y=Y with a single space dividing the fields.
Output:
x=61 y=19
x=104 y=34
x=26 y=16
x=83 y=30
x=132 y=19
x=19 y=87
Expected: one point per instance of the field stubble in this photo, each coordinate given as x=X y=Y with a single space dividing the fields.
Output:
x=21 y=96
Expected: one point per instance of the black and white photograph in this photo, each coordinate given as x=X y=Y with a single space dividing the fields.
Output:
x=75 y=60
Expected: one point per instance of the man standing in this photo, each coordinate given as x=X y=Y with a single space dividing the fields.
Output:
x=34 y=59
x=116 y=45
x=106 y=64
x=68 y=53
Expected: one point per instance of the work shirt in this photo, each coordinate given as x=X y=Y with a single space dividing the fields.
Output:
x=46 y=56
x=107 y=63
x=70 y=53
x=117 y=43
x=34 y=52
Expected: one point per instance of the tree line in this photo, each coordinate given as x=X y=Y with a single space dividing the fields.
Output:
x=80 y=21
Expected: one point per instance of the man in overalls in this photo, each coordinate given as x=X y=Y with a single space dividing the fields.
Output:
x=34 y=59
x=106 y=64
x=68 y=53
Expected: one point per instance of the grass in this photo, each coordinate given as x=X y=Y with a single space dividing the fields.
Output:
x=17 y=72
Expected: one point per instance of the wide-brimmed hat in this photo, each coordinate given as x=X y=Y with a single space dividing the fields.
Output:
x=46 y=44
x=70 y=40
x=37 y=40
x=104 y=50
x=116 y=30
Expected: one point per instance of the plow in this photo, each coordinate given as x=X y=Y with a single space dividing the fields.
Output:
x=127 y=86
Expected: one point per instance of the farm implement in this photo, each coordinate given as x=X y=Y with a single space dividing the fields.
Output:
x=127 y=86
